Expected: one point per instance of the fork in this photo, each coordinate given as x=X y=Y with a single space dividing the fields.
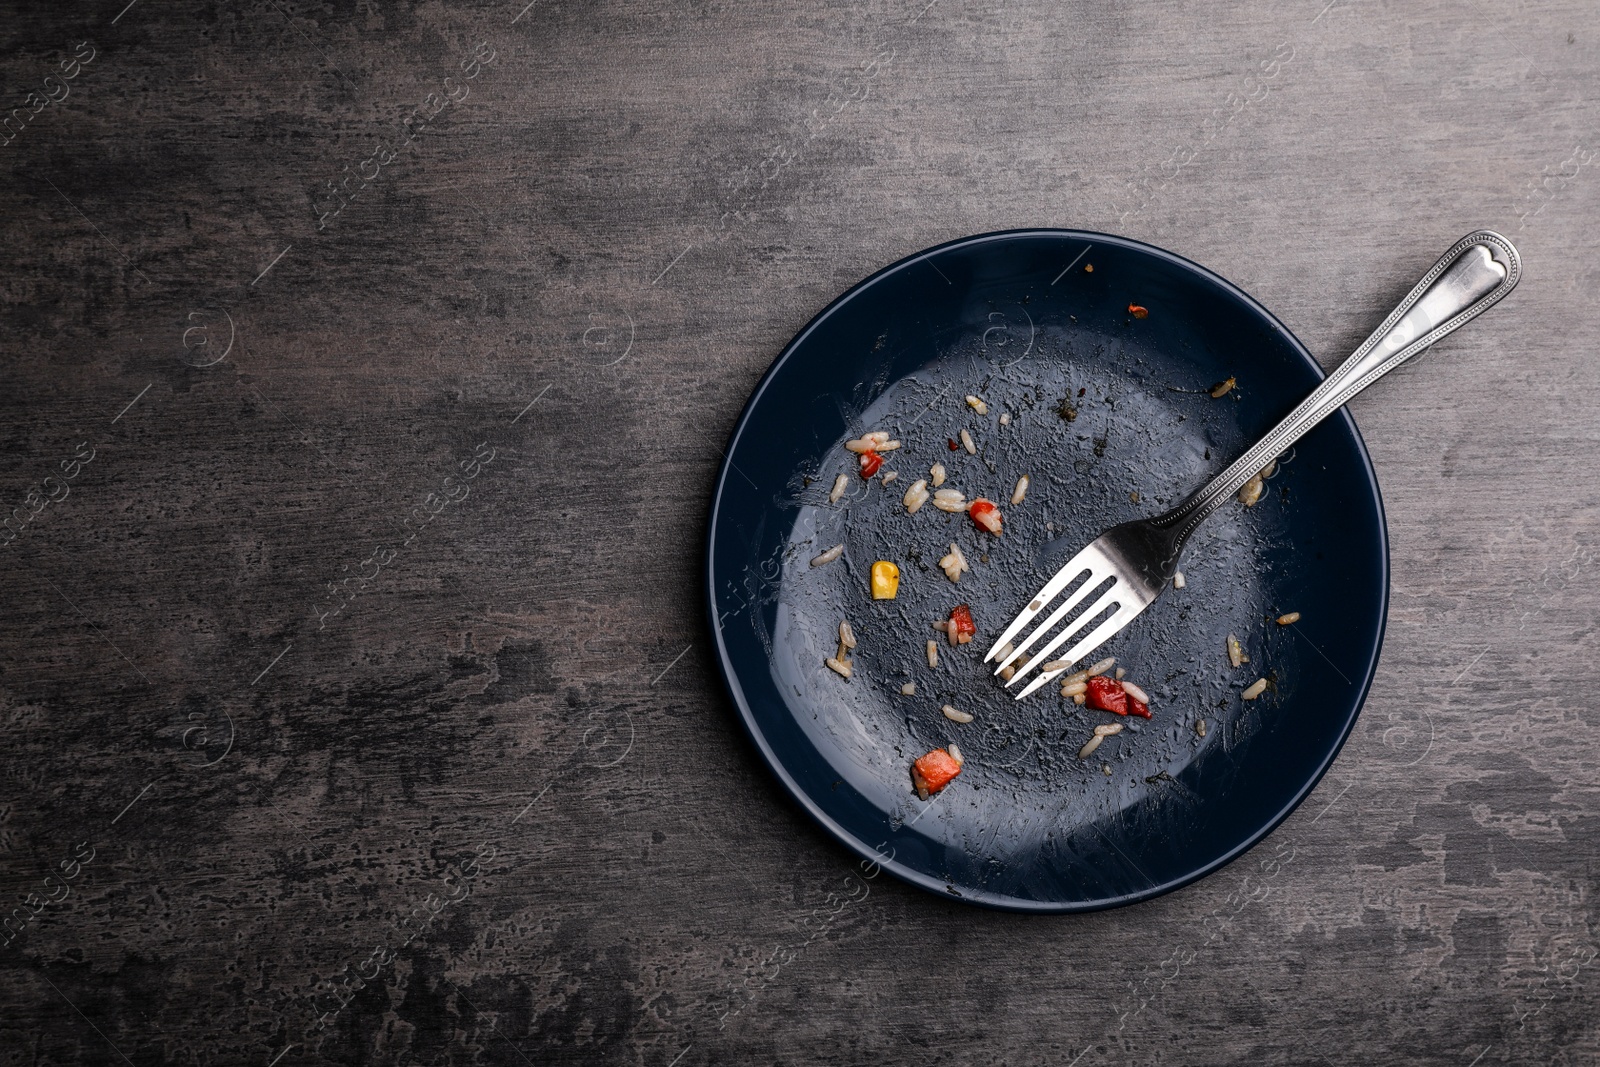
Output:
x=1139 y=558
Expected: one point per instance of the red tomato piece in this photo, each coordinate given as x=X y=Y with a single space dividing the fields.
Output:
x=870 y=462
x=985 y=514
x=935 y=770
x=1107 y=694
x=1138 y=312
x=962 y=616
x=953 y=445
x=1139 y=708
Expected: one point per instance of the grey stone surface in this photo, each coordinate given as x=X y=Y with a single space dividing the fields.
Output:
x=494 y=808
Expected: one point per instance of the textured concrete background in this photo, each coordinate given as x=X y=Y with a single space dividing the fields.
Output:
x=366 y=368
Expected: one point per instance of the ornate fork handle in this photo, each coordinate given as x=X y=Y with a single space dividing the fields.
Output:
x=1471 y=277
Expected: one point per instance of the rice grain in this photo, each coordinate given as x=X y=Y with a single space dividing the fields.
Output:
x=916 y=496
x=954 y=563
x=889 y=476
x=1020 y=491
x=976 y=404
x=937 y=474
x=1289 y=619
x=949 y=500
x=847 y=636
x=1136 y=693
x=1236 y=655
x=909 y=689
x=967 y=443
x=841 y=667
x=1072 y=689
x=955 y=754
x=840 y=484
x=955 y=716
x=1089 y=746
x=830 y=555
x=876 y=441
x=1177 y=580
x=1255 y=689
x=933 y=653
x=1101 y=667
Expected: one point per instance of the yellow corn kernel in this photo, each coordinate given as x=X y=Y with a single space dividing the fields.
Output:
x=885 y=580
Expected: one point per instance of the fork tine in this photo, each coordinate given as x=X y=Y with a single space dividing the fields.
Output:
x=1097 y=637
x=1096 y=576
x=1084 y=560
x=1101 y=602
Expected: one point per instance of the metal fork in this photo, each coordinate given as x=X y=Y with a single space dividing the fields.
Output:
x=1140 y=557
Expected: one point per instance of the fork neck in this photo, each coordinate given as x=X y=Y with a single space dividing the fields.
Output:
x=1170 y=531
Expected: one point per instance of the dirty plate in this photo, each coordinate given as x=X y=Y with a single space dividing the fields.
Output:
x=1110 y=416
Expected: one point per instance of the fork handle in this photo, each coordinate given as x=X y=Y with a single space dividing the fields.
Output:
x=1472 y=276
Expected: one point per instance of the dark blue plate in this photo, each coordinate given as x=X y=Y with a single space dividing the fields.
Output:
x=1111 y=417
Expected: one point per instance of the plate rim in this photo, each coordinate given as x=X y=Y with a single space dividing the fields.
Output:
x=969 y=894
